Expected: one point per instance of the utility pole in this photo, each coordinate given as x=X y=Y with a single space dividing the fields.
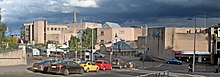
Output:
x=92 y=42
x=74 y=16
x=0 y=14
x=194 y=48
x=81 y=38
x=205 y=19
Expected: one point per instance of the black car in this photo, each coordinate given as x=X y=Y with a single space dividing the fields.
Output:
x=65 y=67
x=42 y=65
x=118 y=63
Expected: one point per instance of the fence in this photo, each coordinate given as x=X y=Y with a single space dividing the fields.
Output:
x=157 y=74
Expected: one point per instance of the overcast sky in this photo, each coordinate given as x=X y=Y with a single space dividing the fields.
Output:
x=124 y=12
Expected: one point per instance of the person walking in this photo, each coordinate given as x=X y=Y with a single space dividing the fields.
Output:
x=190 y=68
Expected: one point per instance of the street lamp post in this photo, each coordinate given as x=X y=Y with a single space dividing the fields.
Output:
x=81 y=28
x=92 y=43
x=116 y=37
x=194 y=42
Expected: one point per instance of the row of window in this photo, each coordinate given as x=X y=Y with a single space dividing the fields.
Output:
x=58 y=29
x=197 y=31
x=120 y=32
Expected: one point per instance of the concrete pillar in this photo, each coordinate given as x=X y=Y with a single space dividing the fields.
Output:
x=24 y=56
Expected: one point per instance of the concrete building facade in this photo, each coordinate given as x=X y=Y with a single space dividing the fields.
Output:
x=176 y=42
x=40 y=32
x=108 y=35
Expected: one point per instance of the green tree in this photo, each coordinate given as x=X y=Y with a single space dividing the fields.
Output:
x=74 y=43
x=3 y=28
x=87 y=37
x=11 y=42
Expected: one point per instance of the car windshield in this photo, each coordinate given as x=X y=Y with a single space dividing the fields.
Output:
x=59 y=62
x=98 y=62
x=83 y=62
x=42 y=61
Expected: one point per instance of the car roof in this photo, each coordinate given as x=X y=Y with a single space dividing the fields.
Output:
x=100 y=60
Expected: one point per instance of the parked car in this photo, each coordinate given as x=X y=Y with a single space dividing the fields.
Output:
x=77 y=60
x=65 y=67
x=42 y=65
x=173 y=61
x=89 y=66
x=98 y=54
x=104 y=65
x=118 y=63
x=144 y=57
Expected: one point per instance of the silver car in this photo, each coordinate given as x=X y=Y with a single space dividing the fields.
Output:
x=98 y=54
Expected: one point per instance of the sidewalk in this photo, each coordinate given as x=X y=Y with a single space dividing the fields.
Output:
x=20 y=68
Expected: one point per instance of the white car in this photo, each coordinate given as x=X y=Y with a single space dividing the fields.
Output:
x=98 y=54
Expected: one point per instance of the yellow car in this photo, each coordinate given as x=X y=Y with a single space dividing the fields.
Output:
x=89 y=66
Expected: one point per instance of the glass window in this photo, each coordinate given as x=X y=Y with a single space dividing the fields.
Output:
x=83 y=62
x=102 y=33
x=51 y=28
x=55 y=28
x=218 y=45
x=106 y=62
x=98 y=62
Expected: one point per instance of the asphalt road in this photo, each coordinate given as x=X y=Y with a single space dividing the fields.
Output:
x=107 y=73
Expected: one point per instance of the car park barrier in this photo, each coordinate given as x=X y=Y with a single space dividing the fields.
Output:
x=157 y=74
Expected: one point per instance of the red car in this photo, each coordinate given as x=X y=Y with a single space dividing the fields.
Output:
x=104 y=65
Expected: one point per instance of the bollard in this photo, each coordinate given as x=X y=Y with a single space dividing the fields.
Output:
x=164 y=73
x=167 y=72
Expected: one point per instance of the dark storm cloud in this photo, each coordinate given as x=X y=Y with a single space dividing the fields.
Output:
x=151 y=11
x=125 y=12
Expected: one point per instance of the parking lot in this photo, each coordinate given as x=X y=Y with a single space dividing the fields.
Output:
x=149 y=68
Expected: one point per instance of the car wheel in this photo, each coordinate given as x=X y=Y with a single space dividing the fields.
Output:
x=81 y=71
x=34 y=70
x=87 y=70
x=45 y=70
x=66 y=72
x=111 y=68
x=103 y=69
x=125 y=66
x=97 y=69
x=168 y=62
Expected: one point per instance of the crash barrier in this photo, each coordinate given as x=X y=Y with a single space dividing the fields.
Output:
x=157 y=74
x=14 y=57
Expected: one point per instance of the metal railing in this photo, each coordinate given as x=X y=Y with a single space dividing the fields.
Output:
x=157 y=74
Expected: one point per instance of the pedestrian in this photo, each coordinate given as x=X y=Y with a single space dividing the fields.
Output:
x=190 y=68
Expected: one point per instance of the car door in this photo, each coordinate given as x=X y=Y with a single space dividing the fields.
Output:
x=73 y=67
x=88 y=65
x=93 y=66
x=76 y=67
x=106 y=64
x=68 y=66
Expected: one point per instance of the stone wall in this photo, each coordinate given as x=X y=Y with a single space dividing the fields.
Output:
x=16 y=57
